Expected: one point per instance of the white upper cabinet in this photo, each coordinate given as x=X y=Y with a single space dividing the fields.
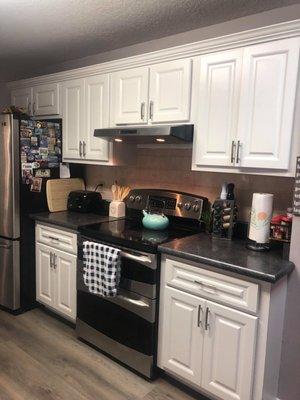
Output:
x=46 y=99
x=244 y=106
x=267 y=102
x=130 y=96
x=182 y=334
x=228 y=352
x=22 y=98
x=97 y=116
x=217 y=81
x=168 y=99
x=170 y=91
x=73 y=118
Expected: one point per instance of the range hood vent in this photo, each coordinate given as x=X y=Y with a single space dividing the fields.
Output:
x=148 y=135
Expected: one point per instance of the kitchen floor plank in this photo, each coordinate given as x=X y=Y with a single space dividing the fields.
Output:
x=41 y=359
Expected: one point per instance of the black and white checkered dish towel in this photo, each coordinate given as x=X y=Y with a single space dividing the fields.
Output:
x=102 y=268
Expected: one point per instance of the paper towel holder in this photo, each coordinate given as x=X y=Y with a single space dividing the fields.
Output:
x=255 y=246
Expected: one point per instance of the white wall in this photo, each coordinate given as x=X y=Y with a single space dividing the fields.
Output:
x=240 y=24
x=4 y=95
x=289 y=384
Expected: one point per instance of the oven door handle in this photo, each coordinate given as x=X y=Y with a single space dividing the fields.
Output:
x=143 y=259
x=139 y=303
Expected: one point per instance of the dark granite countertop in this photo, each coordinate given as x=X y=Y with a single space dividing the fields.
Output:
x=69 y=219
x=230 y=256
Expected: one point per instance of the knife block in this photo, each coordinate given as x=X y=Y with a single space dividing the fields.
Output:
x=224 y=216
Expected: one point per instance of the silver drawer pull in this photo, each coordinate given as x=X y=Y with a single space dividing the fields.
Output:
x=53 y=238
x=136 y=258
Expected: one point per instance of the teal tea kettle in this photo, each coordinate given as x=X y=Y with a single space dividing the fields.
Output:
x=155 y=221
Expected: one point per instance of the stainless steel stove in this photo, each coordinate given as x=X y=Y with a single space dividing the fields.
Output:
x=125 y=327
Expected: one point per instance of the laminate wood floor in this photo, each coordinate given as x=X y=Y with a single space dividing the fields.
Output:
x=41 y=359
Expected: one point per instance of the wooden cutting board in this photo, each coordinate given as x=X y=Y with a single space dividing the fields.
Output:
x=58 y=190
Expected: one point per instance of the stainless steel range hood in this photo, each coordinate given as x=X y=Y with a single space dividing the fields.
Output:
x=149 y=134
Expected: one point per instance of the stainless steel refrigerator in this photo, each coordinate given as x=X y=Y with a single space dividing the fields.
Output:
x=30 y=153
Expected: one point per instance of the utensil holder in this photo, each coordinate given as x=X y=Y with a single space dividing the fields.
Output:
x=117 y=209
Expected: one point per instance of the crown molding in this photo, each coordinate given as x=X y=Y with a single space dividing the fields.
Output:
x=240 y=39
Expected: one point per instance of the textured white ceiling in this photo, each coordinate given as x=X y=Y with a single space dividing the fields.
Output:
x=35 y=33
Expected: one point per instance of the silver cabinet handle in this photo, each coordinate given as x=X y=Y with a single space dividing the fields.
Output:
x=83 y=148
x=80 y=148
x=142 y=111
x=206 y=319
x=238 y=152
x=151 y=109
x=54 y=260
x=136 y=258
x=51 y=259
x=233 y=146
x=29 y=108
x=33 y=108
x=199 y=322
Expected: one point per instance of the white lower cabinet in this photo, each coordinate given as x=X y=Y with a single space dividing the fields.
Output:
x=44 y=275
x=209 y=345
x=182 y=336
x=228 y=352
x=56 y=280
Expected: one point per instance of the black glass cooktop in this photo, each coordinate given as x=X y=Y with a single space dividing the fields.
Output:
x=131 y=233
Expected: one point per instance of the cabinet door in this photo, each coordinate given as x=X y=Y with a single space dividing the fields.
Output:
x=228 y=353
x=182 y=338
x=268 y=90
x=46 y=99
x=97 y=116
x=44 y=275
x=130 y=96
x=170 y=91
x=73 y=118
x=22 y=98
x=65 y=283
x=217 y=78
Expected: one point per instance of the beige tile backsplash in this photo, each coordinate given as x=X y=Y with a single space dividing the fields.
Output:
x=171 y=169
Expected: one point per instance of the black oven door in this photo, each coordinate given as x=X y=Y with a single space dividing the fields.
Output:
x=123 y=326
x=128 y=319
x=139 y=270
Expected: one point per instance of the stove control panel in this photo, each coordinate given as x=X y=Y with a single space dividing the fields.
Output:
x=168 y=202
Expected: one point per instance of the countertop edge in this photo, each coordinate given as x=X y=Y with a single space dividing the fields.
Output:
x=55 y=223
x=229 y=267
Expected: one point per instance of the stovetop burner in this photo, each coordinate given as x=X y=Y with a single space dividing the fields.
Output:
x=185 y=211
x=131 y=233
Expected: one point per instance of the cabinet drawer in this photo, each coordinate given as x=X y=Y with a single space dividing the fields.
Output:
x=56 y=238
x=200 y=281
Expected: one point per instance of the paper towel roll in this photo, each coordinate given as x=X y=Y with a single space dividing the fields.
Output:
x=261 y=214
